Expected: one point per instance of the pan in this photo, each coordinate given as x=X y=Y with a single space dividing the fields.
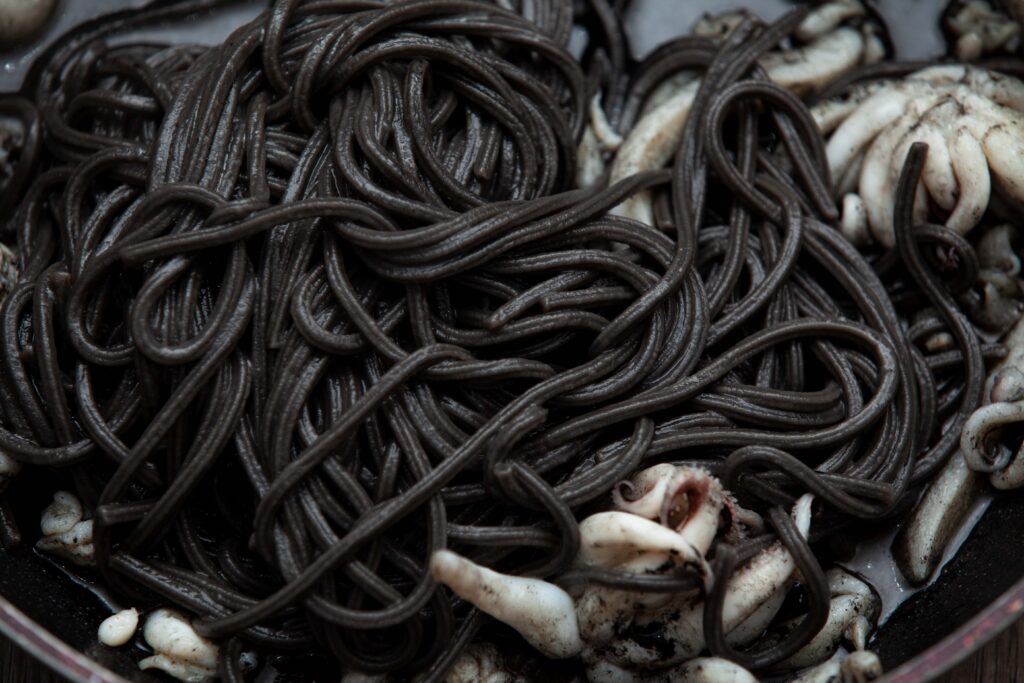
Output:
x=53 y=614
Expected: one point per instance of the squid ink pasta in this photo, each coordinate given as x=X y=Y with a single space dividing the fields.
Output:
x=296 y=314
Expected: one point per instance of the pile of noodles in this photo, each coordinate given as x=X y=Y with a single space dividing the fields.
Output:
x=299 y=309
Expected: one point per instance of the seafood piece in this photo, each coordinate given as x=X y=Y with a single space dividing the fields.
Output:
x=480 y=663
x=607 y=137
x=919 y=546
x=686 y=501
x=852 y=612
x=599 y=138
x=751 y=593
x=826 y=58
x=857 y=667
x=933 y=342
x=973 y=121
x=979 y=28
x=65 y=533
x=832 y=112
x=699 y=670
x=921 y=542
x=118 y=629
x=360 y=677
x=178 y=650
x=542 y=612
x=853 y=222
x=649 y=145
x=589 y=160
x=827 y=17
x=709 y=670
x=829 y=51
x=1002 y=296
x=982 y=430
x=22 y=19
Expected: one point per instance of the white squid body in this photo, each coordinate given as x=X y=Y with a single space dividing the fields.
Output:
x=118 y=628
x=178 y=650
x=687 y=504
x=999 y=276
x=973 y=124
x=698 y=670
x=548 y=617
x=920 y=545
x=862 y=666
x=1005 y=389
x=852 y=611
x=830 y=50
x=65 y=533
x=480 y=663
x=981 y=28
x=542 y=612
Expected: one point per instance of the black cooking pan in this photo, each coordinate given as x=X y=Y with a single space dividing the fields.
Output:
x=54 y=614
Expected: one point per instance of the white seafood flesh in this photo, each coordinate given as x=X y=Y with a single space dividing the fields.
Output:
x=852 y=609
x=919 y=547
x=65 y=533
x=118 y=628
x=747 y=591
x=686 y=501
x=710 y=670
x=980 y=28
x=178 y=650
x=972 y=121
x=480 y=663
x=542 y=612
x=21 y=19
x=831 y=50
x=857 y=667
x=1005 y=388
x=650 y=145
x=999 y=276
x=599 y=138
x=922 y=541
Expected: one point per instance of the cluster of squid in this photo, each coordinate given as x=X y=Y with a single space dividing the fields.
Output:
x=666 y=520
